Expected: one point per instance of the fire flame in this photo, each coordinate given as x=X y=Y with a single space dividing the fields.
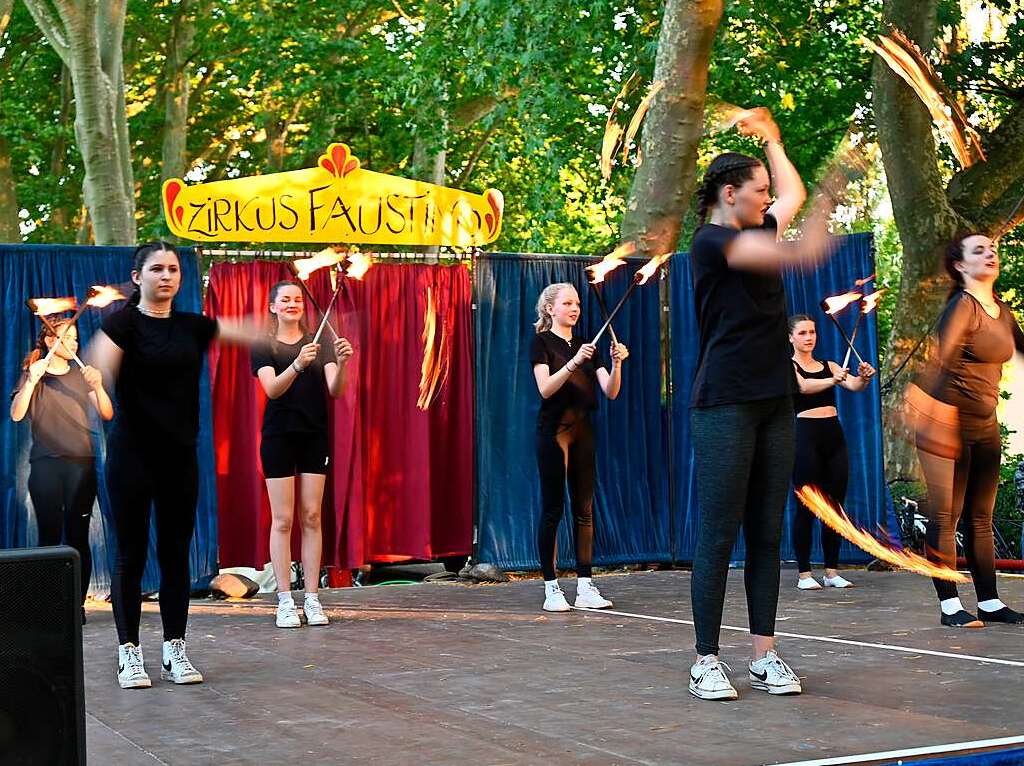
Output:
x=836 y=303
x=638 y=117
x=871 y=300
x=46 y=306
x=436 y=354
x=358 y=265
x=304 y=267
x=103 y=295
x=649 y=269
x=610 y=262
x=834 y=517
x=907 y=61
x=723 y=116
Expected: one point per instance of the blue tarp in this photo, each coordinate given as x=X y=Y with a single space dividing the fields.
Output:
x=860 y=413
x=643 y=437
x=32 y=271
x=632 y=492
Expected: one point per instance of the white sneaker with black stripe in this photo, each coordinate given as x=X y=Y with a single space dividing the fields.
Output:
x=708 y=680
x=774 y=676
x=131 y=670
x=176 y=666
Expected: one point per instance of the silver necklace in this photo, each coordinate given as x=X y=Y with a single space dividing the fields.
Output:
x=153 y=313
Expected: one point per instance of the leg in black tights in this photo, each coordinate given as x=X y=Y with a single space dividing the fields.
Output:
x=581 y=475
x=63 y=491
x=821 y=461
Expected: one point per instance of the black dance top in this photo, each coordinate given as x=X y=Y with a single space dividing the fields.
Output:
x=303 y=407
x=59 y=414
x=158 y=383
x=742 y=318
x=579 y=392
x=825 y=398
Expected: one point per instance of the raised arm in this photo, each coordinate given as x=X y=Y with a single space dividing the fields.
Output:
x=790 y=193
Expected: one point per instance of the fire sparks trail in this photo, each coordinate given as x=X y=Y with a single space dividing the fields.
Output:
x=835 y=518
x=436 y=354
x=47 y=306
x=907 y=61
x=723 y=116
x=638 y=117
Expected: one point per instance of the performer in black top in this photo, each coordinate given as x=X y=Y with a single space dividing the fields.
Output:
x=742 y=409
x=821 y=456
x=296 y=375
x=567 y=374
x=977 y=334
x=155 y=354
x=58 y=399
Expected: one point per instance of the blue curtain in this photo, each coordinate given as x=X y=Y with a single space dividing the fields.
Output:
x=32 y=271
x=631 y=506
x=867 y=498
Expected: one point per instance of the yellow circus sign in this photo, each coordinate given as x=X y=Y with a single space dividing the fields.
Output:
x=335 y=202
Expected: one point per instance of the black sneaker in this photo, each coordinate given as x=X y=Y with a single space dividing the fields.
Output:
x=1004 y=615
x=962 y=619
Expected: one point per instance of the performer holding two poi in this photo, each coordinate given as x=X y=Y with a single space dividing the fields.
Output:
x=155 y=354
x=567 y=375
x=296 y=374
x=977 y=334
x=742 y=408
x=59 y=400
x=821 y=457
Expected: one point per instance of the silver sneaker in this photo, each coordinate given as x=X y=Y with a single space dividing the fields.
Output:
x=708 y=680
x=774 y=676
x=131 y=670
x=176 y=666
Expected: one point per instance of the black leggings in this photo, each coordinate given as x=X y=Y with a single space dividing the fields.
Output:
x=821 y=460
x=63 y=490
x=566 y=451
x=965 y=488
x=744 y=459
x=167 y=480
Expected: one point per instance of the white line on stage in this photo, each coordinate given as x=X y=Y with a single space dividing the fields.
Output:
x=953 y=747
x=826 y=639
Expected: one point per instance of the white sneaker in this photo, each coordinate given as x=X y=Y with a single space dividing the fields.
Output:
x=288 y=615
x=708 y=680
x=836 y=582
x=808 y=583
x=176 y=666
x=314 y=610
x=589 y=597
x=554 y=599
x=131 y=671
x=774 y=676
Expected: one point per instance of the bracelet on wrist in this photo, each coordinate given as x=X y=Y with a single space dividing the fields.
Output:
x=298 y=370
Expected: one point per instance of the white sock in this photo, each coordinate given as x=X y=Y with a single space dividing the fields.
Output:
x=992 y=605
x=583 y=582
x=550 y=586
x=950 y=606
x=283 y=597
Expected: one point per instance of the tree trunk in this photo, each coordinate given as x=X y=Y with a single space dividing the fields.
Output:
x=60 y=217
x=177 y=73
x=663 y=184
x=88 y=38
x=10 y=230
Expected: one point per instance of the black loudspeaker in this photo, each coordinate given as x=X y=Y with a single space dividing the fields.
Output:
x=42 y=694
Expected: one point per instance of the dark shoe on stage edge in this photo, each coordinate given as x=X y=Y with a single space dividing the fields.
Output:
x=962 y=619
x=1004 y=615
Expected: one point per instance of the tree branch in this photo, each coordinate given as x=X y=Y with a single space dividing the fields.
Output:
x=51 y=27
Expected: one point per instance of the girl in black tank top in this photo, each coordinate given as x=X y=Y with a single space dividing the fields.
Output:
x=821 y=456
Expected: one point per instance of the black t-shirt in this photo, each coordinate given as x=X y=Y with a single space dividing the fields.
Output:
x=744 y=335
x=59 y=413
x=158 y=383
x=303 y=407
x=579 y=392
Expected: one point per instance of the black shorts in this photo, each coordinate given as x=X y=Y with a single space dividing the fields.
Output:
x=284 y=455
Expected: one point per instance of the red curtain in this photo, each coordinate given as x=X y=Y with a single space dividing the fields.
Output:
x=402 y=449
